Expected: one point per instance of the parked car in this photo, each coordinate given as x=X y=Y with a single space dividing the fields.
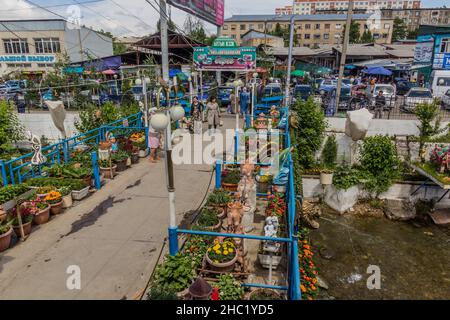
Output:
x=440 y=82
x=445 y=100
x=272 y=89
x=403 y=86
x=302 y=92
x=388 y=93
x=417 y=96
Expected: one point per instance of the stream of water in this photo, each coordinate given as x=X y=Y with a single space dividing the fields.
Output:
x=414 y=262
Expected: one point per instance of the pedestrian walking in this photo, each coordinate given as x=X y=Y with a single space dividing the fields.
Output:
x=213 y=113
x=154 y=141
x=244 y=101
x=196 y=124
x=380 y=103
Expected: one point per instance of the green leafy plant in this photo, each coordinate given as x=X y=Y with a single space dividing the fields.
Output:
x=219 y=197
x=229 y=288
x=346 y=177
x=231 y=177
x=176 y=272
x=196 y=247
x=329 y=153
x=11 y=129
x=12 y=191
x=430 y=124
x=56 y=183
x=208 y=218
x=379 y=163
x=4 y=228
x=162 y=292
x=119 y=156
x=44 y=190
x=65 y=190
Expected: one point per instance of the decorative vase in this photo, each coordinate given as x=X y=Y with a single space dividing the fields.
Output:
x=67 y=201
x=326 y=179
x=222 y=266
x=107 y=172
x=42 y=216
x=56 y=208
x=26 y=229
x=5 y=240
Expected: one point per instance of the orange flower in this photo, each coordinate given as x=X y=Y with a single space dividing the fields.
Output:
x=302 y=287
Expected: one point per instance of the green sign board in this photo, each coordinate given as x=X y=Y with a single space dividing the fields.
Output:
x=225 y=55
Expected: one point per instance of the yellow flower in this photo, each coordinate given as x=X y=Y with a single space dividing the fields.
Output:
x=230 y=250
x=216 y=247
x=225 y=252
x=209 y=249
x=219 y=252
x=216 y=261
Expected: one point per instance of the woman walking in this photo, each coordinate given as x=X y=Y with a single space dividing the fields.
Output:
x=196 y=125
x=213 y=111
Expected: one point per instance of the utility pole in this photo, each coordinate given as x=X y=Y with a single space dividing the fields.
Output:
x=344 y=52
x=164 y=40
x=219 y=73
x=289 y=67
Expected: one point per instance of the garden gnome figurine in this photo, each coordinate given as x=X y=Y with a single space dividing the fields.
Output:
x=200 y=289
x=114 y=145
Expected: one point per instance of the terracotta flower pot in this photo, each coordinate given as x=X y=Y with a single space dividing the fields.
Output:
x=230 y=186
x=215 y=228
x=222 y=266
x=107 y=172
x=2 y=215
x=122 y=165
x=56 y=208
x=26 y=229
x=42 y=217
x=5 y=240
x=221 y=210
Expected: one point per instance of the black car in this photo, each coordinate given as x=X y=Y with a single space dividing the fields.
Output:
x=403 y=87
x=302 y=92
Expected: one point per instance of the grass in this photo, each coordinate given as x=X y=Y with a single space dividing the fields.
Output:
x=432 y=170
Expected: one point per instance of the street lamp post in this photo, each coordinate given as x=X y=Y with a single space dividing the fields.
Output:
x=144 y=81
x=255 y=76
x=161 y=122
x=237 y=84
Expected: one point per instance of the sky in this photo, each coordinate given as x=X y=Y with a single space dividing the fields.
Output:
x=133 y=17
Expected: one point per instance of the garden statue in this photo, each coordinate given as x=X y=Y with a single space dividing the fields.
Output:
x=113 y=141
x=271 y=228
x=38 y=158
x=441 y=157
x=274 y=113
x=234 y=215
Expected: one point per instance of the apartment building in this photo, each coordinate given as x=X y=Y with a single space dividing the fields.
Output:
x=34 y=46
x=313 y=6
x=310 y=30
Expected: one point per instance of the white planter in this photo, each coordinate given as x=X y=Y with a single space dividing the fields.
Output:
x=341 y=200
x=264 y=260
x=80 y=194
x=67 y=201
x=326 y=179
x=143 y=153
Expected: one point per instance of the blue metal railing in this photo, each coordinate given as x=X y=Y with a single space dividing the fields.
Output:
x=20 y=169
x=293 y=270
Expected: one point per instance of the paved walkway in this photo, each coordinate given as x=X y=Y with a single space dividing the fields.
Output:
x=115 y=237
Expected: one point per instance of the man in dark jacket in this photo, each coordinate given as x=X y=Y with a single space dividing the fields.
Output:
x=380 y=103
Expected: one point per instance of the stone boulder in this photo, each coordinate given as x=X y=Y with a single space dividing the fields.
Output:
x=399 y=210
x=358 y=123
x=341 y=200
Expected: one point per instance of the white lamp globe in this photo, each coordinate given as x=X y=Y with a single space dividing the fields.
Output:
x=138 y=82
x=159 y=121
x=177 y=113
x=147 y=80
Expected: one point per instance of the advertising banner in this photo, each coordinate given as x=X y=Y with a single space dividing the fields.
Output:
x=212 y=11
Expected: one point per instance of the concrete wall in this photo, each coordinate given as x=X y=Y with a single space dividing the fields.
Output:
x=95 y=44
x=42 y=124
x=312 y=189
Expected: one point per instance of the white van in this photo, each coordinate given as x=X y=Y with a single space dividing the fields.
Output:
x=440 y=82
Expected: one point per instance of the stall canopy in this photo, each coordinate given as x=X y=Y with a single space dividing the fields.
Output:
x=109 y=72
x=380 y=71
x=298 y=73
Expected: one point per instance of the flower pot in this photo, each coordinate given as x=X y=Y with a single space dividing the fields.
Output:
x=2 y=215
x=268 y=294
x=224 y=266
x=56 y=208
x=143 y=153
x=215 y=228
x=42 y=216
x=264 y=260
x=128 y=162
x=221 y=210
x=121 y=166
x=230 y=186
x=135 y=158
x=107 y=172
x=80 y=194
x=67 y=201
x=104 y=145
x=326 y=179
x=87 y=180
x=262 y=187
x=26 y=229
x=5 y=240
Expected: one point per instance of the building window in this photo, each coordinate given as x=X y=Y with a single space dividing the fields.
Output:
x=250 y=27
x=45 y=65
x=386 y=25
x=317 y=36
x=327 y=26
x=242 y=27
x=376 y=36
x=307 y=26
x=338 y=26
x=445 y=45
x=225 y=27
x=307 y=36
x=299 y=36
x=19 y=65
x=261 y=26
x=233 y=27
x=326 y=36
x=16 y=46
x=233 y=36
x=47 y=45
x=317 y=26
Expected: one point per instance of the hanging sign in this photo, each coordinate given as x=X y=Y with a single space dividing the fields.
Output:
x=10 y=58
x=212 y=11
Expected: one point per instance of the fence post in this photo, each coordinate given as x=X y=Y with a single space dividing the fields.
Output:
x=66 y=150
x=236 y=146
x=247 y=121
x=295 y=274
x=218 y=174
x=98 y=184
x=4 y=176
x=146 y=138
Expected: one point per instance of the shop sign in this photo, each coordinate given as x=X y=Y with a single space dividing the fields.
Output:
x=212 y=11
x=10 y=58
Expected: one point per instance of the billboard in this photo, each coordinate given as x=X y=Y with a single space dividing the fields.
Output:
x=225 y=55
x=212 y=11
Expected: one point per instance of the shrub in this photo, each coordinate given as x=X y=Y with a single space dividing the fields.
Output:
x=229 y=288
x=428 y=115
x=379 y=163
x=176 y=272
x=345 y=177
x=329 y=152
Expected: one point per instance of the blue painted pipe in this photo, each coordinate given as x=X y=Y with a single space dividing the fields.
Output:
x=173 y=241
x=98 y=184
x=3 y=170
x=232 y=235
x=218 y=174
x=265 y=286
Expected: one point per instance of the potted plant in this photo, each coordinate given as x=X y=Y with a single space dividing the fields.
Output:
x=230 y=179
x=42 y=192
x=54 y=199
x=66 y=193
x=120 y=159
x=9 y=194
x=79 y=190
x=265 y=256
x=26 y=213
x=329 y=156
x=222 y=256
x=5 y=236
x=209 y=220
x=219 y=199
x=175 y=273
x=229 y=288
x=263 y=294
x=3 y=215
x=107 y=169
x=39 y=209
x=263 y=183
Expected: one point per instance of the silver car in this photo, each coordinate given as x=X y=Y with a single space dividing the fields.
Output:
x=417 y=96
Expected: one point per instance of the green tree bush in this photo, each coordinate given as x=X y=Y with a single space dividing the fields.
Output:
x=329 y=152
x=430 y=124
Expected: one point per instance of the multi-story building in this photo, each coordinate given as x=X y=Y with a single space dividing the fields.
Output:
x=313 y=6
x=284 y=10
x=256 y=38
x=310 y=30
x=412 y=17
x=34 y=46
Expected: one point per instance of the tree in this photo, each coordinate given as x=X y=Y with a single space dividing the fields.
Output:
x=118 y=48
x=399 y=30
x=354 y=32
x=412 y=34
x=170 y=25
x=367 y=37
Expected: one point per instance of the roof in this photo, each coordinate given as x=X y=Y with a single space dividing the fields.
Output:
x=253 y=34
x=298 y=17
x=382 y=62
x=296 y=51
x=363 y=50
x=433 y=29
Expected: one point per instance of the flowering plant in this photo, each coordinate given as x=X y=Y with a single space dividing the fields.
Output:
x=53 y=197
x=222 y=252
x=277 y=206
x=308 y=270
x=26 y=213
